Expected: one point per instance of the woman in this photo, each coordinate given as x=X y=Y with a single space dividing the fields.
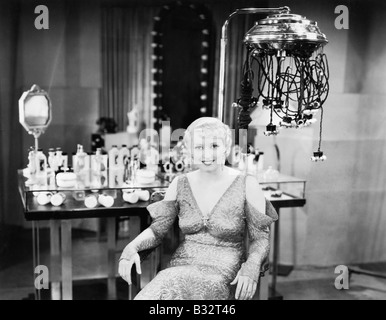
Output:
x=215 y=205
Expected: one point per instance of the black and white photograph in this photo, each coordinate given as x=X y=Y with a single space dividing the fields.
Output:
x=216 y=152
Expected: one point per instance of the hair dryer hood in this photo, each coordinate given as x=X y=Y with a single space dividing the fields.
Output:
x=286 y=32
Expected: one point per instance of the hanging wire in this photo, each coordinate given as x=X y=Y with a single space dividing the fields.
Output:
x=309 y=76
x=320 y=130
x=293 y=87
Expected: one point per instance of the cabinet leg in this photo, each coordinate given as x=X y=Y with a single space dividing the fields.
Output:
x=111 y=247
x=276 y=246
x=66 y=234
x=35 y=253
x=55 y=260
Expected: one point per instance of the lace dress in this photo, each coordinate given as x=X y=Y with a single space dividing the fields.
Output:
x=213 y=250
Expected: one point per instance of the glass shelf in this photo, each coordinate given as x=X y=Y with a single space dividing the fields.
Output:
x=284 y=191
x=285 y=185
x=159 y=182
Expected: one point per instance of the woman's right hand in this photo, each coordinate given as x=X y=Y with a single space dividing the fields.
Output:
x=125 y=266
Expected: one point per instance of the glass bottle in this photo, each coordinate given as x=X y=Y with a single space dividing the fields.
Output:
x=41 y=168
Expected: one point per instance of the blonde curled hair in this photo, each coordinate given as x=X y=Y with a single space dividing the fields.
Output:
x=212 y=125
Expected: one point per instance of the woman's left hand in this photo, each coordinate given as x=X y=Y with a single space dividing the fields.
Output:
x=246 y=287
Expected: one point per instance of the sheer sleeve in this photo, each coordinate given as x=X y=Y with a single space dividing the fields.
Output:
x=164 y=214
x=258 y=229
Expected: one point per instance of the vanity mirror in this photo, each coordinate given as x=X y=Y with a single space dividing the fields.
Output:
x=35 y=112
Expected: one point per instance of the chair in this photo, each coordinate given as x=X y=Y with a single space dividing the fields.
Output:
x=262 y=291
x=155 y=256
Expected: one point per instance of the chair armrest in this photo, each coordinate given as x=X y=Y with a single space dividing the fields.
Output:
x=264 y=267
x=144 y=254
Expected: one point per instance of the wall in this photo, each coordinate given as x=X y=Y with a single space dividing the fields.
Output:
x=65 y=61
x=344 y=220
x=9 y=128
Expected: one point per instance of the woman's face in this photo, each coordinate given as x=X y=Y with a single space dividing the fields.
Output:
x=208 y=150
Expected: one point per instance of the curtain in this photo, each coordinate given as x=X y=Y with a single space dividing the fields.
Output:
x=127 y=63
x=10 y=129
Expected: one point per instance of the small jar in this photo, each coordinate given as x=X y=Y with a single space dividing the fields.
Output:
x=57 y=199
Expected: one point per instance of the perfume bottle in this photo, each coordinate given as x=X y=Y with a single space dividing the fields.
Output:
x=134 y=167
x=64 y=162
x=41 y=168
x=123 y=156
x=115 y=178
x=59 y=159
x=52 y=159
x=96 y=169
x=104 y=169
x=123 y=162
x=31 y=166
x=80 y=159
x=81 y=167
x=113 y=157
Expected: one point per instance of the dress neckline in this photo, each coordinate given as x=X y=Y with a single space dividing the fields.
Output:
x=217 y=203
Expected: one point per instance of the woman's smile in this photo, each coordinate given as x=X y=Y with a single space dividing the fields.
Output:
x=208 y=163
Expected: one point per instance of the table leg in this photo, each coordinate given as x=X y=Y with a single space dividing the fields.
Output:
x=66 y=234
x=35 y=253
x=55 y=259
x=111 y=247
x=276 y=244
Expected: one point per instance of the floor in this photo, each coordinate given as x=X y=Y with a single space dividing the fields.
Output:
x=89 y=264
